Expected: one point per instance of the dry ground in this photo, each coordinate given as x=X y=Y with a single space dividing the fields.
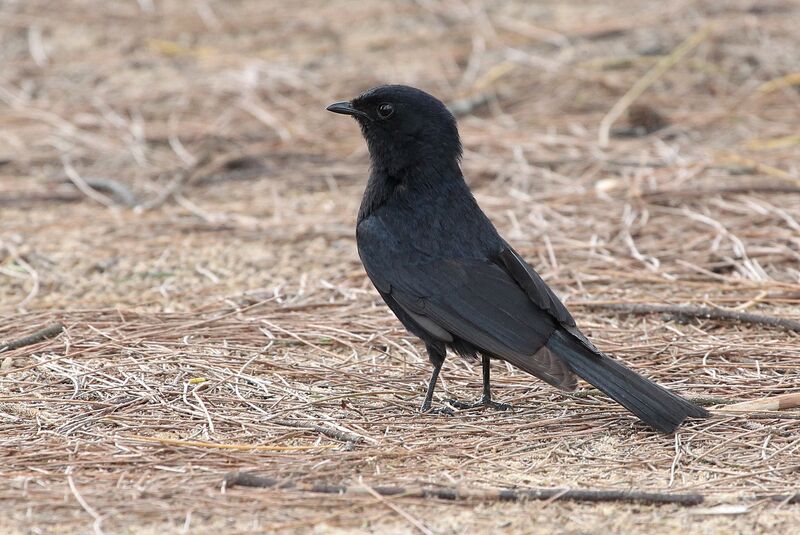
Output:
x=225 y=298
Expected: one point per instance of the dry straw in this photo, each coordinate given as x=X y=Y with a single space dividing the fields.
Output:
x=174 y=195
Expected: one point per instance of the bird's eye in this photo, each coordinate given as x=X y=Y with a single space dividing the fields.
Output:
x=385 y=110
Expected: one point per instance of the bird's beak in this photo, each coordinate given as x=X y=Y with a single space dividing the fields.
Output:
x=345 y=108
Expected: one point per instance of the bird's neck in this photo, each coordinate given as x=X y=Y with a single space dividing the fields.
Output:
x=388 y=184
x=378 y=191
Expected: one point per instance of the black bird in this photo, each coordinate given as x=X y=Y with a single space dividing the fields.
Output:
x=449 y=277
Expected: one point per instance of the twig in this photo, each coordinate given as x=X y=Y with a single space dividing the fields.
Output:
x=732 y=169
x=50 y=331
x=708 y=401
x=783 y=498
x=646 y=81
x=83 y=186
x=769 y=170
x=463 y=107
x=780 y=83
x=98 y=520
x=766 y=415
x=265 y=116
x=22 y=200
x=693 y=312
x=242 y=167
x=666 y=195
x=327 y=431
x=119 y=191
x=402 y=512
x=245 y=479
x=705 y=401
x=215 y=445
x=183 y=176
x=32 y=273
x=776 y=403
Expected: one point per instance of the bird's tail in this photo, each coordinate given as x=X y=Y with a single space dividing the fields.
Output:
x=654 y=405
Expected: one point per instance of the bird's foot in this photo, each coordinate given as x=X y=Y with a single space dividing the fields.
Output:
x=426 y=409
x=483 y=402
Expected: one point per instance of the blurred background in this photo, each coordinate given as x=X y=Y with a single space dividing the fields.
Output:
x=168 y=172
x=133 y=134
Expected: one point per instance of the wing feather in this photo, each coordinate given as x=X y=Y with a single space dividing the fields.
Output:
x=474 y=299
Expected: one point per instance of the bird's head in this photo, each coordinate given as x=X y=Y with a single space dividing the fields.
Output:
x=404 y=127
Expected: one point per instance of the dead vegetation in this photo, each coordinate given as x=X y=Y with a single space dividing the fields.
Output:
x=173 y=192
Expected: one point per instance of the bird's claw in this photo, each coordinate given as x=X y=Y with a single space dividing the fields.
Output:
x=483 y=402
x=498 y=406
x=426 y=409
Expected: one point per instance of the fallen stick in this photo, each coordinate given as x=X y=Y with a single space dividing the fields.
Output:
x=327 y=431
x=693 y=312
x=762 y=168
x=220 y=446
x=119 y=191
x=783 y=498
x=33 y=198
x=765 y=415
x=666 y=195
x=776 y=403
x=83 y=187
x=246 y=479
x=50 y=331
x=704 y=401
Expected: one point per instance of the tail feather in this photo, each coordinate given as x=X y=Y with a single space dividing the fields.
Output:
x=654 y=405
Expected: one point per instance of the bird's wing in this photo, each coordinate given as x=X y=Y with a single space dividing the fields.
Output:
x=540 y=293
x=474 y=299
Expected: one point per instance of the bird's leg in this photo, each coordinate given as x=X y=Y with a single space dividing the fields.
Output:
x=426 y=405
x=486 y=399
x=437 y=359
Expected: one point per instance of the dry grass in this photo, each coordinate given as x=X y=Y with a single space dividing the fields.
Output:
x=229 y=301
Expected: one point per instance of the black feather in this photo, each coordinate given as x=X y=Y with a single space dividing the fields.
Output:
x=441 y=266
x=653 y=404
